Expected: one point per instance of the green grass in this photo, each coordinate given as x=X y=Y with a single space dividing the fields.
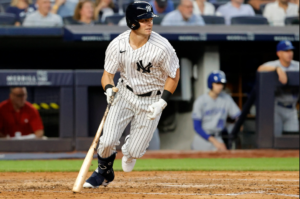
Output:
x=203 y=164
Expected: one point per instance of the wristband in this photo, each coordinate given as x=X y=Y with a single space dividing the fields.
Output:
x=166 y=95
x=108 y=86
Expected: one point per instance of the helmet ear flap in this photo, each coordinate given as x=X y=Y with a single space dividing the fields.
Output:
x=135 y=25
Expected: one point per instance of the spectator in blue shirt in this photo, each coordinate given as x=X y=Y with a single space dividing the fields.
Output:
x=162 y=6
x=234 y=8
x=21 y=8
x=183 y=16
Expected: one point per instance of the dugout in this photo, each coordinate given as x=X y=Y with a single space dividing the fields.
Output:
x=51 y=92
x=267 y=82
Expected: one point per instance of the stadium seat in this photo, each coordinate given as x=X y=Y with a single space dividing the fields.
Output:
x=1 y=9
x=70 y=21
x=176 y=3
x=218 y=4
x=213 y=20
x=4 y=4
x=114 y=19
x=262 y=7
x=249 y=20
x=157 y=20
x=7 y=19
x=291 y=21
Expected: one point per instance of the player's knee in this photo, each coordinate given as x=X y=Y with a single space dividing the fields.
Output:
x=135 y=153
x=105 y=146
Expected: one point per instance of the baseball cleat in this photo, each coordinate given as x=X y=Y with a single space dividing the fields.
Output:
x=88 y=185
x=103 y=175
x=128 y=164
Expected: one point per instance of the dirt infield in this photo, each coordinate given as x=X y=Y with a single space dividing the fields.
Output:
x=156 y=184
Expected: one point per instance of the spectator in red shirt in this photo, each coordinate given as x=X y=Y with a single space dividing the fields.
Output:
x=18 y=118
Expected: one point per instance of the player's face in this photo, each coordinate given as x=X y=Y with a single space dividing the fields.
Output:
x=217 y=88
x=18 y=97
x=286 y=56
x=145 y=26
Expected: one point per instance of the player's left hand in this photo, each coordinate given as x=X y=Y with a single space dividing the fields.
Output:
x=156 y=109
x=109 y=93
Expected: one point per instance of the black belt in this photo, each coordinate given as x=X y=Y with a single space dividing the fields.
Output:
x=285 y=105
x=144 y=94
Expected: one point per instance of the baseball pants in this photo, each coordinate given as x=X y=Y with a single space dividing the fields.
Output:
x=128 y=108
x=286 y=119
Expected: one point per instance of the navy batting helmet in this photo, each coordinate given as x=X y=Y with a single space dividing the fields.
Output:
x=138 y=10
x=216 y=76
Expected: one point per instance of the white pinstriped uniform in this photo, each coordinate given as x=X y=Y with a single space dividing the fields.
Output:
x=143 y=70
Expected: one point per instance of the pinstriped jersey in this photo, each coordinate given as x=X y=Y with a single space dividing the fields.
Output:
x=146 y=68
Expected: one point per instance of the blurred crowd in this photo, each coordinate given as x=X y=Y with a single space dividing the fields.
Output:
x=51 y=13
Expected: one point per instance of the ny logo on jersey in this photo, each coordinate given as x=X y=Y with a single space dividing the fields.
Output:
x=141 y=66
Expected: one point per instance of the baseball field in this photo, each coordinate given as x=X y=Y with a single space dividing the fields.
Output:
x=165 y=174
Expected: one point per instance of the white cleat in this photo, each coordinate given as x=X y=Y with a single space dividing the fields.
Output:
x=88 y=185
x=128 y=164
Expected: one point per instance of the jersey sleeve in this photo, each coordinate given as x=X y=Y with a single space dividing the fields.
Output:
x=198 y=128
x=36 y=121
x=169 y=62
x=270 y=63
x=197 y=113
x=234 y=110
x=111 y=58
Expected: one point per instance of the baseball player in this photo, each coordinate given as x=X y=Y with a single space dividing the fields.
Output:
x=285 y=112
x=149 y=70
x=210 y=112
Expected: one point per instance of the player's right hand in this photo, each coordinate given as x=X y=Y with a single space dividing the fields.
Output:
x=221 y=147
x=109 y=94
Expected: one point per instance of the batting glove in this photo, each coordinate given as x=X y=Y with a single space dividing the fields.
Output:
x=109 y=93
x=156 y=109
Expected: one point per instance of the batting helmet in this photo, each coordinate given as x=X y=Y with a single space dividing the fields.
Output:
x=216 y=76
x=138 y=10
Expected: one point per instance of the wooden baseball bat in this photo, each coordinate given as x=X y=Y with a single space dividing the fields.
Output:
x=89 y=156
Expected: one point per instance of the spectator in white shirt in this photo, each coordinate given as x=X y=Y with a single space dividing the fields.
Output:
x=103 y=9
x=202 y=7
x=43 y=16
x=277 y=12
x=295 y=2
x=234 y=8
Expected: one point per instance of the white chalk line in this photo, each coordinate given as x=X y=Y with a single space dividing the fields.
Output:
x=174 y=194
x=270 y=180
x=216 y=185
